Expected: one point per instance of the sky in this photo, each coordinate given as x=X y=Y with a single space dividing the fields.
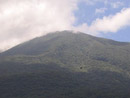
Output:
x=22 y=20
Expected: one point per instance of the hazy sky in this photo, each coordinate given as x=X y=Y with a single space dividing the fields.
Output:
x=21 y=20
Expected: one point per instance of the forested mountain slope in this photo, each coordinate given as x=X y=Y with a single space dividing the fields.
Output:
x=66 y=65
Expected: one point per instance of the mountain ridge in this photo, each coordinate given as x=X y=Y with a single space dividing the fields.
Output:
x=62 y=33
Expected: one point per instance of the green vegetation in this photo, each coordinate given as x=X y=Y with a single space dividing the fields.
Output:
x=66 y=65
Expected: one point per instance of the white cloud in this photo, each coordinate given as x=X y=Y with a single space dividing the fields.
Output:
x=117 y=4
x=111 y=23
x=100 y=10
x=21 y=20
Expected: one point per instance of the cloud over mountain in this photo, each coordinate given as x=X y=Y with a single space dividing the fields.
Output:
x=21 y=20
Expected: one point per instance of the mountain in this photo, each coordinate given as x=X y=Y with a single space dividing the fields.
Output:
x=66 y=65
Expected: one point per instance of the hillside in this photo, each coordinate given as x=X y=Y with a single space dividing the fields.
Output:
x=66 y=65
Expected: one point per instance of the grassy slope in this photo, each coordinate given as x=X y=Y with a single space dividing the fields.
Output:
x=66 y=65
x=74 y=51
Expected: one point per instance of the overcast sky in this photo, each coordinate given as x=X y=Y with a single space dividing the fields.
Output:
x=21 y=20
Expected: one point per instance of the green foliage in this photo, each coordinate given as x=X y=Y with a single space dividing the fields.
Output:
x=66 y=65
